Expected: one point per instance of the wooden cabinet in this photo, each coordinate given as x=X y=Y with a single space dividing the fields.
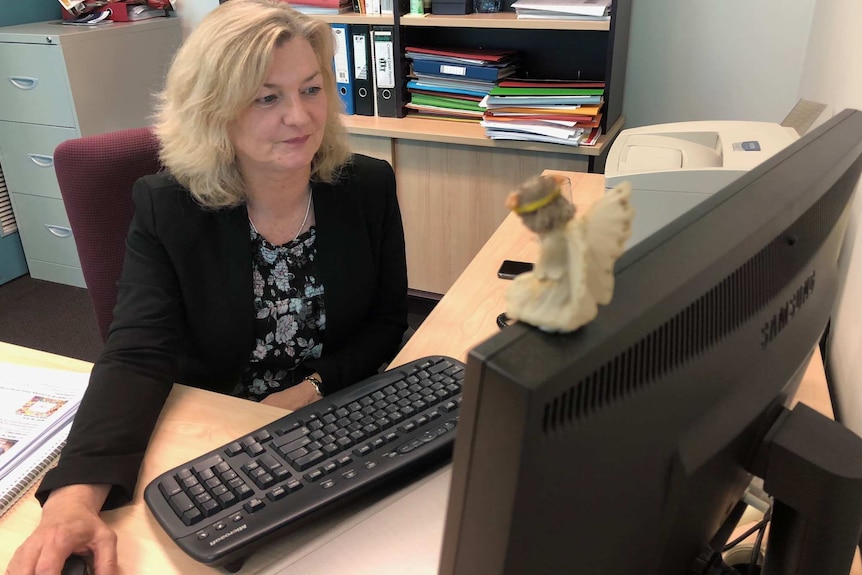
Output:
x=452 y=179
x=59 y=82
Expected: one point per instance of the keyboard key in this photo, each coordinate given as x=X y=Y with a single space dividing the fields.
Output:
x=442 y=366
x=313 y=475
x=264 y=481
x=448 y=407
x=362 y=450
x=207 y=463
x=296 y=454
x=181 y=503
x=192 y=516
x=291 y=436
x=306 y=461
x=169 y=487
x=315 y=425
x=210 y=508
x=269 y=462
x=190 y=482
x=243 y=491
x=227 y=499
x=253 y=505
x=276 y=494
x=281 y=473
x=327 y=483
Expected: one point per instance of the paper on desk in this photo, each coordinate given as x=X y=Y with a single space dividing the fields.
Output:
x=35 y=404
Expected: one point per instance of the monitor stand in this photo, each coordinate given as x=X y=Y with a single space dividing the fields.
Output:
x=812 y=467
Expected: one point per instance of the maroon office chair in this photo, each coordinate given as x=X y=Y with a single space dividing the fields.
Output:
x=96 y=175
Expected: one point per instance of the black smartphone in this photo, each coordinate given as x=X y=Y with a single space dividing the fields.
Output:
x=509 y=269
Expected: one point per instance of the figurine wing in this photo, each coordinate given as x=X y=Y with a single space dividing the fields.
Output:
x=607 y=225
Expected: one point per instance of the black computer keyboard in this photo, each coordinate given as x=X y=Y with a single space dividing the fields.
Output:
x=222 y=505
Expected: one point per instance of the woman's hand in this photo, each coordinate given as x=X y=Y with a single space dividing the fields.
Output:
x=70 y=524
x=293 y=397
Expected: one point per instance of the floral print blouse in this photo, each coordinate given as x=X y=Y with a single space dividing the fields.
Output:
x=290 y=320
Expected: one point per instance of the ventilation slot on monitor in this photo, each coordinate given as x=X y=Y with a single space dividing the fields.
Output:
x=704 y=322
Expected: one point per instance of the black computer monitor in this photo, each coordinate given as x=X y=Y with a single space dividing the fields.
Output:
x=623 y=447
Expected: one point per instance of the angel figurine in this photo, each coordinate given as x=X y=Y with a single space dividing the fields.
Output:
x=574 y=272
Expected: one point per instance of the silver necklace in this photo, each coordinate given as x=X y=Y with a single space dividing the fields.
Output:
x=301 y=226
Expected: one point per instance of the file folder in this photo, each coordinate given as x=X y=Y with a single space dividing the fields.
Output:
x=388 y=73
x=363 y=85
x=449 y=70
x=343 y=66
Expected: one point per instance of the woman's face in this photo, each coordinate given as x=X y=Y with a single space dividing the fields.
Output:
x=283 y=129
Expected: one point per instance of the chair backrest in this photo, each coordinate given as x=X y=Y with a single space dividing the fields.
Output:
x=96 y=175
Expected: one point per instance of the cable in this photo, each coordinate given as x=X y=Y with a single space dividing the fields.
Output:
x=755 y=553
x=757 y=526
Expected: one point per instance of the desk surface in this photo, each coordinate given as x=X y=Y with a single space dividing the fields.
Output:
x=204 y=420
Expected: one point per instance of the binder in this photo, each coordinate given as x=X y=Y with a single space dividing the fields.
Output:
x=470 y=72
x=388 y=73
x=363 y=85
x=343 y=66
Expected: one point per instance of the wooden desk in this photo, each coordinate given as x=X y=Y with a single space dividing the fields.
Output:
x=195 y=421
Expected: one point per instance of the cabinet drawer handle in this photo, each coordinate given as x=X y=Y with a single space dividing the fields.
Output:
x=41 y=160
x=23 y=83
x=59 y=231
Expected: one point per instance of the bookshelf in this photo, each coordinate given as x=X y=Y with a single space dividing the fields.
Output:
x=452 y=179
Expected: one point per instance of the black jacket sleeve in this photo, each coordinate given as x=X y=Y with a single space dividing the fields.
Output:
x=133 y=375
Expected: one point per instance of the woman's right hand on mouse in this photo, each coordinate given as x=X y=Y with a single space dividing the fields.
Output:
x=70 y=524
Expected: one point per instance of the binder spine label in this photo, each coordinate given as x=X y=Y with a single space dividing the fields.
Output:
x=360 y=58
x=341 y=65
x=384 y=59
x=453 y=70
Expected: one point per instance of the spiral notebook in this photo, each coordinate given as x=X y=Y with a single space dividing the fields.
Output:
x=19 y=482
x=37 y=407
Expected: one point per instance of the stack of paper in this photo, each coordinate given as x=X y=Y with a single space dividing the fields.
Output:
x=36 y=410
x=554 y=111
x=563 y=9
x=324 y=7
x=450 y=83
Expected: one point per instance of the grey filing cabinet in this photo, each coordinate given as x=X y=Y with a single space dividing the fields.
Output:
x=59 y=82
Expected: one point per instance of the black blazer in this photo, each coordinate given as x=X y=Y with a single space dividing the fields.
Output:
x=185 y=311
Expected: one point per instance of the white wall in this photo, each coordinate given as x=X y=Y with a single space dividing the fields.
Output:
x=833 y=75
x=703 y=60
x=191 y=12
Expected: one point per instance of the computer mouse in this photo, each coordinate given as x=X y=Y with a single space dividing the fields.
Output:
x=75 y=565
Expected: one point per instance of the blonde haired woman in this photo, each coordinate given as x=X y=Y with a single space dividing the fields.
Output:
x=266 y=261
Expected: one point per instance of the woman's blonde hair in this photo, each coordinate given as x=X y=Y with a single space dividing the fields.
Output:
x=215 y=76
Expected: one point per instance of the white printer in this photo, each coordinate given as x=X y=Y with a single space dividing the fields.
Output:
x=673 y=167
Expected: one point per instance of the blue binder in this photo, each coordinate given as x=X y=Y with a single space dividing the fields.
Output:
x=342 y=63
x=469 y=72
